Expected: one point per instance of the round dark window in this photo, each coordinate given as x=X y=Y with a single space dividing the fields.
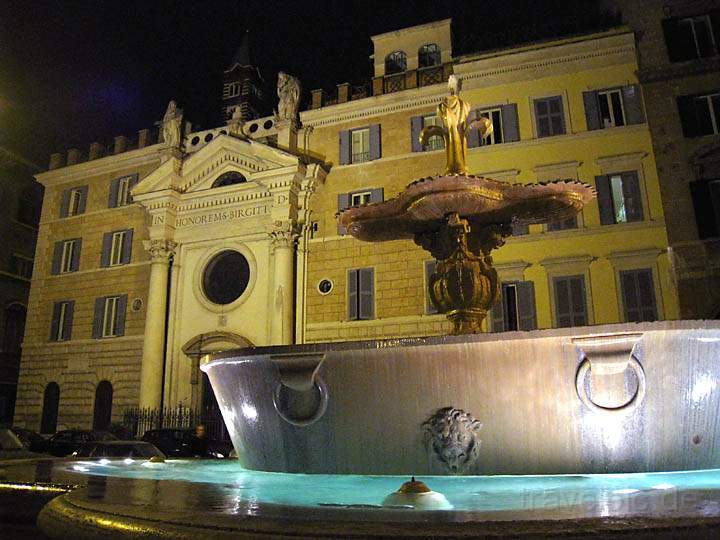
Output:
x=325 y=286
x=226 y=277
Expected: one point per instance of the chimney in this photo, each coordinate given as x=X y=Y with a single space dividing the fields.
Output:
x=318 y=97
x=120 y=144
x=143 y=138
x=343 y=92
x=95 y=151
x=72 y=156
x=56 y=161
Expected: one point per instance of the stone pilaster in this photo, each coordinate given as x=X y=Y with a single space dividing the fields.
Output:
x=151 y=371
x=283 y=236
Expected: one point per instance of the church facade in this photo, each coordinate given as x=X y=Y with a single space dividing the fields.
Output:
x=157 y=251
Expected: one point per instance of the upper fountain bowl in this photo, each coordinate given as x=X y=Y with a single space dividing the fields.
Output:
x=424 y=205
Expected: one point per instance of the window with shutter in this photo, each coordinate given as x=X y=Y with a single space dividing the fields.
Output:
x=699 y=115
x=343 y=203
x=619 y=198
x=549 y=116
x=120 y=190
x=360 y=145
x=563 y=224
x=361 y=294
x=694 y=37
x=436 y=142
x=570 y=305
x=509 y=121
x=516 y=308
x=706 y=202
x=416 y=125
x=495 y=116
x=67 y=256
x=61 y=327
x=110 y=316
x=638 y=294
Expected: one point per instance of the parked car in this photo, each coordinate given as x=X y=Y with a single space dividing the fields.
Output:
x=177 y=442
x=118 y=449
x=12 y=448
x=30 y=439
x=67 y=441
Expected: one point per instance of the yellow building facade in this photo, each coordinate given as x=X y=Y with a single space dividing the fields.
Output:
x=121 y=318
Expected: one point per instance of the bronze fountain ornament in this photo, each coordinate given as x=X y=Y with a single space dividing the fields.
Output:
x=460 y=218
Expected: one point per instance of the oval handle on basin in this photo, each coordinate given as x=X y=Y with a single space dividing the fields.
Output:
x=585 y=368
x=298 y=371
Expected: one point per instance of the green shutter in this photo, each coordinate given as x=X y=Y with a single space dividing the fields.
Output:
x=416 y=125
x=592 y=111
x=352 y=294
x=604 y=199
x=366 y=299
x=127 y=247
x=98 y=317
x=106 y=249
x=344 y=147
x=526 y=305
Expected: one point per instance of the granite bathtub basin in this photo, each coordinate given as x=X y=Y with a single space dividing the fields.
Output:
x=615 y=398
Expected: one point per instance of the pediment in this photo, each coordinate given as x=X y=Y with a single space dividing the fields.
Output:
x=198 y=171
x=227 y=153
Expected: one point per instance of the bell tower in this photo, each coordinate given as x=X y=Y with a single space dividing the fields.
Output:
x=243 y=85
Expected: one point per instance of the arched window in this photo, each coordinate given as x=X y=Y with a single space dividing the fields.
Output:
x=395 y=62
x=228 y=179
x=14 y=327
x=51 y=401
x=103 y=406
x=429 y=55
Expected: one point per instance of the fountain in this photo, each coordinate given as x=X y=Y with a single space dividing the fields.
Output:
x=513 y=433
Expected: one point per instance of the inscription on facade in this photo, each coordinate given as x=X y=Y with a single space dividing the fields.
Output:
x=215 y=217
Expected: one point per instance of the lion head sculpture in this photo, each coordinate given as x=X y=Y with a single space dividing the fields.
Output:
x=452 y=439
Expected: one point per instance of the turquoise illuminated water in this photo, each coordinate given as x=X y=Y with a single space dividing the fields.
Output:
x=617 y=492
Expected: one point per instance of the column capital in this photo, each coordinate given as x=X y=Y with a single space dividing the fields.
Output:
x=160 y=249
x=283 y=234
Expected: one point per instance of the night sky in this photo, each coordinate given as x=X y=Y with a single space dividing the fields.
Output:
x=74 y=72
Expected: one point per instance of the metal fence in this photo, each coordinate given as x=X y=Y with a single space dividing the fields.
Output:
x=139 y=420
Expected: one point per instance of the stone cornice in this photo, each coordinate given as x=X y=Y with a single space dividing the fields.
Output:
x=103 y=165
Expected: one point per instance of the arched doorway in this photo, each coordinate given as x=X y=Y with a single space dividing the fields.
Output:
x=14 y=329
x=51 y=401
x=103 y=406
x=195 y=349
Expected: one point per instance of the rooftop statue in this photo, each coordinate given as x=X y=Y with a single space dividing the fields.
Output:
x=171 y=124
x=288 y=90
x=454 y=113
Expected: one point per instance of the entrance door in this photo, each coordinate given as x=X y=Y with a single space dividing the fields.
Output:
x=51 y=400
x=103 y=406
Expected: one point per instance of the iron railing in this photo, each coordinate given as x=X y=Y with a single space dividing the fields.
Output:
x=139 y=420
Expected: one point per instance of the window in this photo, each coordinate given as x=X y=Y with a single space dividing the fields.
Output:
x=120 y=191
x=549 y=116
x=62 y=318
x=395 y=62
x=116 y=248
x=360 y=145
x=430 y=267
x=690 y=38
x=356 y=198
x=619 y=198
x=570 y=304
x=73 y=201
x=516 y=308
x=613 y=107
x=563 y=224
x=706 y=200
x=428 y=55
x=700 y=115
x=436 y=142
x=66 y=256
x=109 y=319
x=231 y=90
x=360 y=198
x=116 y=252
x=21 y=266
x=228 y=179
x=638 y=293
x=361 y=294
x=495 y=116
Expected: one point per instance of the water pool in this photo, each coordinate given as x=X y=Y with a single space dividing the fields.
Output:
x=613 y=494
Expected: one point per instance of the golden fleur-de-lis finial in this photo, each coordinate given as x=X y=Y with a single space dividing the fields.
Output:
x=454 y=112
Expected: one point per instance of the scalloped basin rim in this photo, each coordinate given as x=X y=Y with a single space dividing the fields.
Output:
x=422 y=206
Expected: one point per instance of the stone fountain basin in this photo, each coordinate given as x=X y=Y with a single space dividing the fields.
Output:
x=423 y=205
x=614 y=398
